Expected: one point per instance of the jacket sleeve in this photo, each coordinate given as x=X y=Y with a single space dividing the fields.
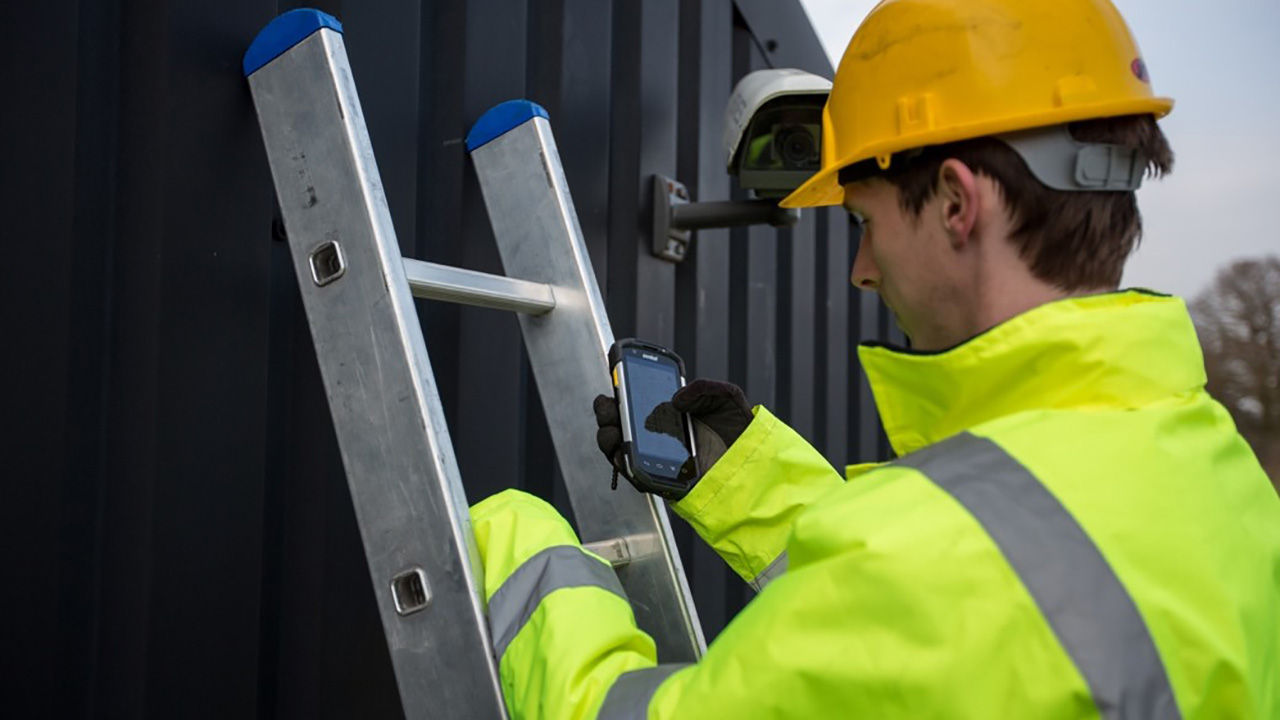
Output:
x=876 y=617
x=561 y=625
x=563 y=631
x=745 y=505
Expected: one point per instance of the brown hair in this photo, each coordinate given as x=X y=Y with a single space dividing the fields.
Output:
x=1073 y=240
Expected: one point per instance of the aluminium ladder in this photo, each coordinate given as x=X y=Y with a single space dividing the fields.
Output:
x=358 y=294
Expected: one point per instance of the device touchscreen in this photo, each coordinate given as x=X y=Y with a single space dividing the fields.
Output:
x=652 y=381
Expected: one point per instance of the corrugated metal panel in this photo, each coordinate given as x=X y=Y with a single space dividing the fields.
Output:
x=183 y=543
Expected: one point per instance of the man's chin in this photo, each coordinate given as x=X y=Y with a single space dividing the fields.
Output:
x=897 y=319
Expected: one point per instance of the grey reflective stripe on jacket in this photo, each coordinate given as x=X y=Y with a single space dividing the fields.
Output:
x=1075 y=588
x=561 y=566
x=766 y=576
x=631 y=693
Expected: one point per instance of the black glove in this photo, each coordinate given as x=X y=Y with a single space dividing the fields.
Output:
x=719 y=411
x=721 y=406
x=609 y=436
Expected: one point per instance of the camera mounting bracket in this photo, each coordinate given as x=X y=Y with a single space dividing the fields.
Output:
x=675 y=217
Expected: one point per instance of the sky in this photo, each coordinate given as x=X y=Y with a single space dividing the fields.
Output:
x=1220 y=62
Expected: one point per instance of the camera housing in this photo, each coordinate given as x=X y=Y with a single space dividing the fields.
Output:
x=772 y=143
x=773 y=130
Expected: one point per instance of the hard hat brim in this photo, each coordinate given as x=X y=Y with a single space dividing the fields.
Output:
x=823 y=189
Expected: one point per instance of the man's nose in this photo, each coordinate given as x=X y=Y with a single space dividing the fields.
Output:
x=865 y=275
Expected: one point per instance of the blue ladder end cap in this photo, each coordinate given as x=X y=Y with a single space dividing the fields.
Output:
x=501 y=119
x=284 y=32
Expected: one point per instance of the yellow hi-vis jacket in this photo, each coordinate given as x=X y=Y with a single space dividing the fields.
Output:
x=1074 y=529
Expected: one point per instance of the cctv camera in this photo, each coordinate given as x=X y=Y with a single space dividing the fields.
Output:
x=773 y=130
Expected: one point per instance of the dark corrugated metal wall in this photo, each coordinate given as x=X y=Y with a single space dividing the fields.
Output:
x=179 y=539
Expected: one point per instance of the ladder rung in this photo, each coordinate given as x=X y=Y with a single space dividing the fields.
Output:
x=621 y=551
x=468 y=287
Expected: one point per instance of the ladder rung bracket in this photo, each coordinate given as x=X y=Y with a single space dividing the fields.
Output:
x=469 y=287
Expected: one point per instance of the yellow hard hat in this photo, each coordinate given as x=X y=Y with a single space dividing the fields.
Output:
x=928 y=72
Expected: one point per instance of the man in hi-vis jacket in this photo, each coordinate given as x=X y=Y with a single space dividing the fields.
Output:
x=1073 y=528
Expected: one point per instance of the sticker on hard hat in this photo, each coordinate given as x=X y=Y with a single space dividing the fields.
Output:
x=1140 y=71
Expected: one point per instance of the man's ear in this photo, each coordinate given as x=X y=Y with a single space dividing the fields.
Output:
x=958 y=190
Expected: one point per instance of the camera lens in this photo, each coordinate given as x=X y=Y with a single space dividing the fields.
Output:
x=797 y=146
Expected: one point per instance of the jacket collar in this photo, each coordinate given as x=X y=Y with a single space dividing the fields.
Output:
x=1115 y=351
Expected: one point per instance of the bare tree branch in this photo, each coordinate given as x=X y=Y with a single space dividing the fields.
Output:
x=1238 y=321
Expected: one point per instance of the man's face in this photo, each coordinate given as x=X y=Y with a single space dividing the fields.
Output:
x=907 y=260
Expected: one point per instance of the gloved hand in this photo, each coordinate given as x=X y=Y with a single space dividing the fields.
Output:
x=720 y=406
x=719 y=411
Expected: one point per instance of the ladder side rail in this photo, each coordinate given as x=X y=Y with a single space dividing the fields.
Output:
x=386 y=409
x=539 y=239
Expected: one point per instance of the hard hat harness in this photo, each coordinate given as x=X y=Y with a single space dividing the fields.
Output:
x=1054 y=157
x=1061 y=162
